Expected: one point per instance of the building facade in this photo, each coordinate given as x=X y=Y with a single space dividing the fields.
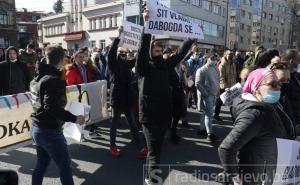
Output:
x=213 y=14
x=83 y=23
x=259 y=22
x=8 y=27
x=28 y=27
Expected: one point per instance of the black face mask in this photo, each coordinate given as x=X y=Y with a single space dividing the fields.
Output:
x=158 y=58
x=122 y=57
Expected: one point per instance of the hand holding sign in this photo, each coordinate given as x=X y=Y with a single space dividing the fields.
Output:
x=146 y=15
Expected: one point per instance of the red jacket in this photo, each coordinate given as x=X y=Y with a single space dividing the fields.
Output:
x=73 y=75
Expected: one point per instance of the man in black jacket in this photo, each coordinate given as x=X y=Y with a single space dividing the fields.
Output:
x=122 y=95
x=14 y=75
x=48 y=97
x=292 y=90
x=155 y=96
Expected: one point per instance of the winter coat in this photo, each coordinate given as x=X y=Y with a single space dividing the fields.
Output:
x=154 y=86
x=30 y=60
x=227 y=73
x=257 y=125
x=74 y=77
x=14 y=78
x=48 y=97
x=121 y=77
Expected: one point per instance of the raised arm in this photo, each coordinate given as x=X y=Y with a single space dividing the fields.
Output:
x=180 y=53
x=143 y=55
x=112 y=55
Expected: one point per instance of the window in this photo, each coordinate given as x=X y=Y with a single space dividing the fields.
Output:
x=116 y=21
x=211 y=29
x=33 y=18
x=206 y=5
x=249 y=15
x=102 y=44
x=100 y=23
x=243 y=13
x=249 y=28
x=271 y=4
x=94 y=24
x=275 y=31
x=22 y=28
x=277 y=7
x=232 y=18
x=263 y=39
x=244 y=2
x=91 y=24
x=263 y=28
x=242 y=26
x=217 y=9
x=93 y=43
x=277 y=18
x=232 y=29
x=110 y=22
x=84 y=3
x=220 y=31
x=242 y=39
x=250 y=2
x=224 y=12
x=104 y=22
x=3 y=18
x=4 y=42
x=249 y=41
x=282 y=20
x=269 y=29
x=196 y=2
x=271 y=16
x=282 y=32
x=133 y=19
x=264 y=15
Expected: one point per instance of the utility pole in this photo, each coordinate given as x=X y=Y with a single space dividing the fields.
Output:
x=261 y=22
x=227 y=22
x=140 y=12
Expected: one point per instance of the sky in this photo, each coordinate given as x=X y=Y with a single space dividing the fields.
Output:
x=36 y=5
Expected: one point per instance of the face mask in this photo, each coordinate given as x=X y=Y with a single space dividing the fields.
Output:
x=14 y=60
x=158 y=58
x=213 y=63
x=271 y=97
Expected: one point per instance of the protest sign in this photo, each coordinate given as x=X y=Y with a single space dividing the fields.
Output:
x=131 y=35
x=15 y=111
x=164 y=21
x=228 y=97
x=288 y=162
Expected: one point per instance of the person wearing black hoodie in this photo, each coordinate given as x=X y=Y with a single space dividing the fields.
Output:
x=48 y=98
x=14 y=75
x=122 y=95
x=155 y=100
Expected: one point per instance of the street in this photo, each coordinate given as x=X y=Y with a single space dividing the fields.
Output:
x=193 y=161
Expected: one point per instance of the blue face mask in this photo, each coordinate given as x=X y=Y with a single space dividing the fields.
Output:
x=271 y=97
x=213 y=63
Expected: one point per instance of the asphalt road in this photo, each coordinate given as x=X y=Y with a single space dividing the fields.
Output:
x=193 y=161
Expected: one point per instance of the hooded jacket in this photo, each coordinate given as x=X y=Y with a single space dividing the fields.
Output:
x=257 y=125
x=121 y=77
x=14 y=76
x=154 y=86
x=48 y=97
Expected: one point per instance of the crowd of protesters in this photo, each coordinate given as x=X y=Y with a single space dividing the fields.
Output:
x=154 y=87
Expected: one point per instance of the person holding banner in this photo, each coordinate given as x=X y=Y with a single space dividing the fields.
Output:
x=155 y=96
x=257 y=125
x=48 y=97
x=122 y=96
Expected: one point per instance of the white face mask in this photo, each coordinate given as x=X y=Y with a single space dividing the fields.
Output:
x=14 y=60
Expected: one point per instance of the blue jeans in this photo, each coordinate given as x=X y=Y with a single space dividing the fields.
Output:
x=51 y=144
x=208 y=104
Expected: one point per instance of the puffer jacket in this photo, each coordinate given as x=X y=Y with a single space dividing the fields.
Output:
x=257 y=125
x=227 y=73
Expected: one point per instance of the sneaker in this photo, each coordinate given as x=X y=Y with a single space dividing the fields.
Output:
x=212 y=138
x=175 y=139
x=202 y=133
x=185 y=124
x=114 y=151
x=143 y=153
x=217 y=118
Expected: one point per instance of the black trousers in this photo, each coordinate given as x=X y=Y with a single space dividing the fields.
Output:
x=219 y=103
x=154 y=134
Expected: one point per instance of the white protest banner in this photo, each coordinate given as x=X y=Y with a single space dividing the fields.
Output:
x=164 y=21
x=15 y=112
x=131 y=36
x=288 y=162
x=73 y=130
x=228 y=97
